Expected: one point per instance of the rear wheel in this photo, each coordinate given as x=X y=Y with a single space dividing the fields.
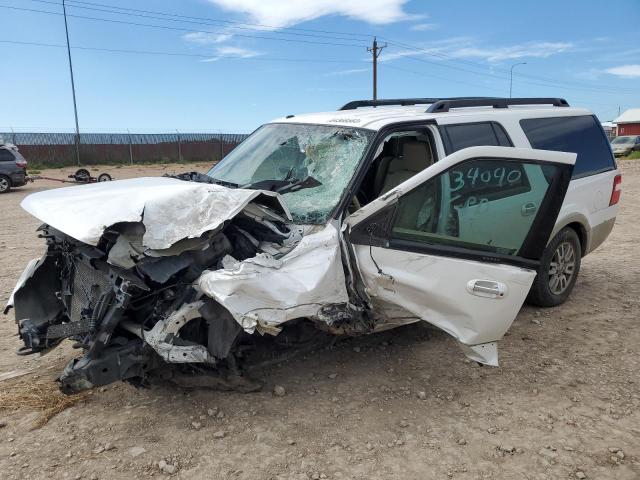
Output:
x=558 y=270
x=5 y=184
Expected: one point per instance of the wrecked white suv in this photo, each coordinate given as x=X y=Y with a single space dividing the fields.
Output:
x=347 y=222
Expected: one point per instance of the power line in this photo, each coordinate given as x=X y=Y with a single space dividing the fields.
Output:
x=393 y=42
x=168 y=17
x=269 y=59
x=493 y=76
x=180 y=54
x=484 y=87
x=232 y=22
x=430 y=75
x=551 y=82
x=165 y=27
x=530 y=79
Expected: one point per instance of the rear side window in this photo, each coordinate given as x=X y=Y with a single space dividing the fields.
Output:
x=6 y=155
x=582 y=135
x=457 y=137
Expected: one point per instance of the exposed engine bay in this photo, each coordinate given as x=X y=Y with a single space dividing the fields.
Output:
x=174 y=288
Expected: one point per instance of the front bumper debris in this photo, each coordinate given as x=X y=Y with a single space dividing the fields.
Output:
x=145 y=301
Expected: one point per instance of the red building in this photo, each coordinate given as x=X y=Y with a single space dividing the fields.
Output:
x=629 y=122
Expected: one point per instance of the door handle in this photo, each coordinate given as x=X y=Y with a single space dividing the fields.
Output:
x=487 y=288
x=528 y=208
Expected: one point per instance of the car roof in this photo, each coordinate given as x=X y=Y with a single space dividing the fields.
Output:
x=375 y=118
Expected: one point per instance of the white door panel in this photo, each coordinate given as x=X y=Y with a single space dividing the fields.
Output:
x=434 y=289
x=461 y=256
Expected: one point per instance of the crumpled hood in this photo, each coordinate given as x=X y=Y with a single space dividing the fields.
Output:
x=170 y=209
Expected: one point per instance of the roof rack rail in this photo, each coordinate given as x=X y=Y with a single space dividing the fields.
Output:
x=392 y=101
x=401 y=102
x=445 y=105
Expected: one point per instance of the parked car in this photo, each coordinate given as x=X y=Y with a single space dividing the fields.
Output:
x=624 y=145
x=381 y=214
x=13 y=168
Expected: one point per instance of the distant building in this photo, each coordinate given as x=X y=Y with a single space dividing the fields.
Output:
x=609 y=128
x=629 y=122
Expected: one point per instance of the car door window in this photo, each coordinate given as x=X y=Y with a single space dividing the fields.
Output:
x=481 y=204
x=399 y=156
x=582 y=135
x=459 y=136
x=6 y=155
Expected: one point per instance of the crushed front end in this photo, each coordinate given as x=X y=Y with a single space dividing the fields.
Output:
x=136 y=306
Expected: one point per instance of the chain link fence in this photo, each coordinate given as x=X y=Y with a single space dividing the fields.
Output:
x=59 y=149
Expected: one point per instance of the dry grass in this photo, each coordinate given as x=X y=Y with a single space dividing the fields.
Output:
x=41 y=396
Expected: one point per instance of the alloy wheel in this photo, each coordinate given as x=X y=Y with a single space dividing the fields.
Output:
x=562 y=268
x=4 y=184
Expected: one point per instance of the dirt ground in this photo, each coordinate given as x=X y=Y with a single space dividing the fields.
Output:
x=564 y=403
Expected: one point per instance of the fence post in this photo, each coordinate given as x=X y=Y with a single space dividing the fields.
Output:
x=13 y=136
x=179 y=148
x=130 y=149
x=221 y=146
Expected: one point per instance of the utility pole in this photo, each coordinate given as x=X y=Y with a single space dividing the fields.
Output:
x=179 y=148
x=511 y=77
x=73 y=86
x=375 y=53
x=130 y=148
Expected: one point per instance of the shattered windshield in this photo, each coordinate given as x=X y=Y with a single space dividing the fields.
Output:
x=309 y=165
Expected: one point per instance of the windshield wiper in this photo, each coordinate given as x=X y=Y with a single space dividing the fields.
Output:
x=295 y=185
x=224 y=183
x=284 y=186
x=201 y=178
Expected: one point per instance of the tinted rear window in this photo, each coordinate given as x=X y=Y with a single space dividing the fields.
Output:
x=6 y=155
x=582 y=135
x=457 y=137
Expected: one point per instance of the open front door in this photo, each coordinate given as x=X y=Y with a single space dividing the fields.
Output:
x=458 y=244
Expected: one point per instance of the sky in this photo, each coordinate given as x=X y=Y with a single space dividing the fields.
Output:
x=231 y=65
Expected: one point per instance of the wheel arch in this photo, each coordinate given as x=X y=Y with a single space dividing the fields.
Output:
x=579 y=224
x=582 y=235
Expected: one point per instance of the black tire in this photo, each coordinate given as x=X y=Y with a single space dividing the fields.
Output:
x=5 y=184
x=550 y=292
x=104 y=177
x=82 y=175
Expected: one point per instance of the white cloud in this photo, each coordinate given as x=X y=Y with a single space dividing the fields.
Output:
x=439 y=47
x=232 y=52
x=205 y=38
x=278 y=13
x=342 y=73
x=626 y=71
x=423 y=27
x=465 y=47
x=238 y=52
x=525 y=50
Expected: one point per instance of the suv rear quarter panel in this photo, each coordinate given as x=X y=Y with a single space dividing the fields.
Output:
x=587 y=203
